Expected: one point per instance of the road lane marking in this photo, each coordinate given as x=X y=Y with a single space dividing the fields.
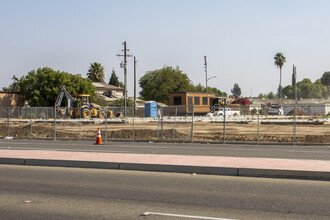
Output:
x=184 y=216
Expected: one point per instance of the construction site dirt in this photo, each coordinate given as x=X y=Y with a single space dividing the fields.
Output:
x=199 y=131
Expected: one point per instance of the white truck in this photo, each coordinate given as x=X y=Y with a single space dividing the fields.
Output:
x=220 y=111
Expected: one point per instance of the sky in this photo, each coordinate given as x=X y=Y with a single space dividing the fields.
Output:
x=239 y=37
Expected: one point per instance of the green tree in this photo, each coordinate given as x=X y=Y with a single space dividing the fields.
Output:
x=288 y=92
x=96 y=72
x=14 y=87
x=156 y=85
x=262 y=96
x=236 y=91
x=279 y=62
x=40 y=87
x=307 y=89
x=217 y=92
x=121 y=102
x=271 y=95
x=115 y=81
x=325 y=79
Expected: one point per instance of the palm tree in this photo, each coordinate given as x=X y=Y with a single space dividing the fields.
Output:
x=279 y=62
x=96 y=72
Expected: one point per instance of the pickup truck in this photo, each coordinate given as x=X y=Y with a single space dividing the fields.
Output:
x=229 y=112
x=275 y=110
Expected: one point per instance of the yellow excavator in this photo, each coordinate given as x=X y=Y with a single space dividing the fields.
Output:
x=77 y=107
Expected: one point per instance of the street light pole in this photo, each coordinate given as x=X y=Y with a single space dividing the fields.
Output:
x=206 y=79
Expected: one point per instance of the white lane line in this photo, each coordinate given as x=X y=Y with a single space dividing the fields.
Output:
x=184 y=216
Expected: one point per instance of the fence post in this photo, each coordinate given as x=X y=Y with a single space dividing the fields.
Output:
x=224 y=124
x=294 y=125
x=162 y=123
x=30 y=124
x=176 y=112
x=54 y=123
x=80 y=123
x=106 y=124
x=158 y=125
x=133 y=139
x=258 y=136
x=8 y=118
x=192 y=124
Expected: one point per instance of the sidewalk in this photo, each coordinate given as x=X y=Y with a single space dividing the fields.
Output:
x=232 y=166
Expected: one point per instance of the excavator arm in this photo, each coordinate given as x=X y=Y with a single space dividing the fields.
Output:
x=70 y=100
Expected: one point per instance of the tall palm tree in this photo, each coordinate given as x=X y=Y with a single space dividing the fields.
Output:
x=279 y=62
x=96 y=72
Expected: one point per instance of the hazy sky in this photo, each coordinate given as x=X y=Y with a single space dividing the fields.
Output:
x=239 y=37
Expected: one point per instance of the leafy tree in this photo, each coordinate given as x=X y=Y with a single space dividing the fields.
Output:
x=40 y=87
x=236 y=91
x=307 y=89
x=115 y=81
x=288 y=91
x=121 y=102
x=14 y=87
x=96 y=72
x=262 y=96
x=217 y=92
x=271 y=95
x=325 y=79
x=156 y=85
x=279 y=62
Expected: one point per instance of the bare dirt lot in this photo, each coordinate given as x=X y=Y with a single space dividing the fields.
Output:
x=149 y=131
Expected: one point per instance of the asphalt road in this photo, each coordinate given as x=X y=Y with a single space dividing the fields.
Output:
x=231 y=150
x=74 y=193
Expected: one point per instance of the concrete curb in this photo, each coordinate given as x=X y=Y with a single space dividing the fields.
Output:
x=226 y=171
x=289 y=174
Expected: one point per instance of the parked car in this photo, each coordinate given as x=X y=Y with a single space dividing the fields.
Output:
x=275 y=110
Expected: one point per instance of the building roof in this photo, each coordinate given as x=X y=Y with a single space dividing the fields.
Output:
x=105 y=86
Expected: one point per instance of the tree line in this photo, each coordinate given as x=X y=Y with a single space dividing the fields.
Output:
x=40 y=87
x=305 y=88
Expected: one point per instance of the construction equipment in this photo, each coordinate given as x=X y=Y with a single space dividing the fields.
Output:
x=78 y=106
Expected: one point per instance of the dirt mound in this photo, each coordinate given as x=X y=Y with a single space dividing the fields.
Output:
x=298 y=112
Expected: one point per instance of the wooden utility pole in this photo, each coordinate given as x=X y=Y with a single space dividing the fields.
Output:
x=125 y=74
x=205 y=63
x=134 y=80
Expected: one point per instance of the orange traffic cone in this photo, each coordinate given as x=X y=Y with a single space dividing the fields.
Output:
x=98 y=137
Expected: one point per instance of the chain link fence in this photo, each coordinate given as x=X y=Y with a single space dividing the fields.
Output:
x=293 y=124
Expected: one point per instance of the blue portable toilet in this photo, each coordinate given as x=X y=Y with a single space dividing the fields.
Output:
x=150 y=109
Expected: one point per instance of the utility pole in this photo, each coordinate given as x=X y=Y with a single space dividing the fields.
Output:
x=295 y=83
x=207 y=79
x=294 y=76
x=134 y=79
x=124 y=65
x=134 y=82
x=205 y=63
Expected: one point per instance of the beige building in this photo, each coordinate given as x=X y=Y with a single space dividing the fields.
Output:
x=108 y=93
